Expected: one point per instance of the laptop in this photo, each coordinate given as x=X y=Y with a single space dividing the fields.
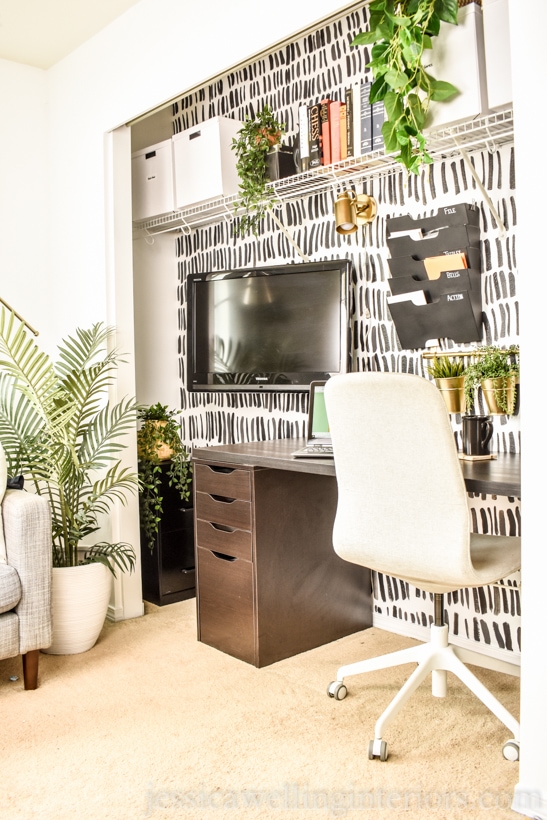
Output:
x=319 y=443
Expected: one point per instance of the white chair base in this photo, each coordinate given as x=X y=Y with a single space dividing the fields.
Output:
x=436 y=657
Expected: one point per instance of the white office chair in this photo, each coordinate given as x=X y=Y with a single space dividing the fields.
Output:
x=402 y=510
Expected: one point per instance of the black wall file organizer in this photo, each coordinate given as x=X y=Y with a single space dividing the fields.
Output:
x=450 y=305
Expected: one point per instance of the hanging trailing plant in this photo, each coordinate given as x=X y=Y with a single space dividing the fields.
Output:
x=254 y=139
x=158 y=442
x=399 y=33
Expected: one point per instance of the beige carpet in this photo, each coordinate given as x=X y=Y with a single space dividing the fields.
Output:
x=151 y=723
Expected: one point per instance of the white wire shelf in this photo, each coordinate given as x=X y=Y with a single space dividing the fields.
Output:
x=485 y=133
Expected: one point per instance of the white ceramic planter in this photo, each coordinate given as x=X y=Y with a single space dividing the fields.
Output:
x=80 y=597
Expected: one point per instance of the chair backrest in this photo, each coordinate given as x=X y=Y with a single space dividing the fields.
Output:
x=402 y=502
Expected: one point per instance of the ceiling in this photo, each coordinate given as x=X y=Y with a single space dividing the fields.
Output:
x=39 y=33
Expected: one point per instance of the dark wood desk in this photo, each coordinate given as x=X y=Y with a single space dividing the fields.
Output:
x=499 y=476
x=268 y=582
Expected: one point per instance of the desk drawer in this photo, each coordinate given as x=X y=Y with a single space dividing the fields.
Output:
x=230 y=541
x=225 y=604
x=232 y=512
x=231 y=482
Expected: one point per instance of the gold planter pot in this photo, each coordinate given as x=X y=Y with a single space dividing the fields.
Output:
x=452 y=391
x=163 y=450
x=500 y=395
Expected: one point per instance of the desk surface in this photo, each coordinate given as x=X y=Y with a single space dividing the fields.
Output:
x=499 y=476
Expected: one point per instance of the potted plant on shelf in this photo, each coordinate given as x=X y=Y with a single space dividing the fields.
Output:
x=257 y=140
x=399 y=33
x=61 y=434
x=496 y=372
x=449 y=378
x=159 y=443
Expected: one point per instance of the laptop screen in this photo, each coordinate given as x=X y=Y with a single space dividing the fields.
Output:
x=318 y=422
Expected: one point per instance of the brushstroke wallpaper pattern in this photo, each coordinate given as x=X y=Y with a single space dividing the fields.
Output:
x=321 y=65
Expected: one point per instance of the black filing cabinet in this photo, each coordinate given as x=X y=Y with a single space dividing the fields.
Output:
x=168 y=571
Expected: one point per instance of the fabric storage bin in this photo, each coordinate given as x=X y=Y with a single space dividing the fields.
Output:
x=205 y=165
x=497 y=51
x=457 y=57
x=152 y=185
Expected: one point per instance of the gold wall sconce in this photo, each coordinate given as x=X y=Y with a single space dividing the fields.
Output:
x=352 y=210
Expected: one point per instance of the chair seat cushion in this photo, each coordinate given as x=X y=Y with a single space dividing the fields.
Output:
x=10 y=588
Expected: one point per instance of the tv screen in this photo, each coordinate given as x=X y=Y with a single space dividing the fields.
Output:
x=268 y=328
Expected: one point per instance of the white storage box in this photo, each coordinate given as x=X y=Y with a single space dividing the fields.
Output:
x=152 y=181
x=457 y=57
x=205 y=165
x=497 y=50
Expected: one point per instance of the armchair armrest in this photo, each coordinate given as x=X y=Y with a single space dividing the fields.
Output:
x=27 y=531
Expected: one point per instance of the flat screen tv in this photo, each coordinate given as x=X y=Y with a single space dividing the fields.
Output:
x=268 y=328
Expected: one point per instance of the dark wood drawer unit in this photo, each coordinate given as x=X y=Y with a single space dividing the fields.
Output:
x=269 y=584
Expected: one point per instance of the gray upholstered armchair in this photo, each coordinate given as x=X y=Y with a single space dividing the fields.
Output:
x=25 y=578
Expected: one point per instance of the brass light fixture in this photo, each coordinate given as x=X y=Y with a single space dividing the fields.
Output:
x=352 y=210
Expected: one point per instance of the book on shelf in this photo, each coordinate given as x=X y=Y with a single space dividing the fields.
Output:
x=314 y=134
x=349 y=121
x=335 y=144
x=326 y=106
x=378 y=119
x=303 y=138
x=365 y=119
x=343 y=131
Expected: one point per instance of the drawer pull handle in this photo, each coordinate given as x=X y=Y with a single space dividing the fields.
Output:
x=223 y=499
x=222 y=556
x=225 y=470
x=222 y=527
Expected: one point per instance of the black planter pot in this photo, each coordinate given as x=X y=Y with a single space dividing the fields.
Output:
x=280 y=162
x=168 y=571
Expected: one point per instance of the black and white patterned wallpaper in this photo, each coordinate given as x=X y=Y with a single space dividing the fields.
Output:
x=319 y=65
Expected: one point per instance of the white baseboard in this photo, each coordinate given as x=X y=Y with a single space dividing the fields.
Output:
x=421 y=633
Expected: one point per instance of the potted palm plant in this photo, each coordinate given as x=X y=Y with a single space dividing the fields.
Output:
x=496 y=371
x=59 y=431
x=450 y=379
x=257 y=142
x=159 y=445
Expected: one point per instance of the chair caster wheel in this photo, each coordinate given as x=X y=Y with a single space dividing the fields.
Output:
x=511 y=750
x=377 y=748
x=337 y=690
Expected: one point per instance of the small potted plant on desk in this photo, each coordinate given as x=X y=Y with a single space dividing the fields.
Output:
x=449 y=378
x=260 y=158
x=496 y=372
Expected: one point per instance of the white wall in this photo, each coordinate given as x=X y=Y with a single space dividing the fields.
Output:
x=24 y=255
x=156 y=320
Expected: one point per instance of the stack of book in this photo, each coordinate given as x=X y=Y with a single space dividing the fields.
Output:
x=332 y=130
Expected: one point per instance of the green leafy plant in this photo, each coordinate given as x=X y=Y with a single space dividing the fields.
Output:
x=61 y=434
x=443 y=367
x=159 y=442
x=254 y=139
x=399 y=33
x=493 y=362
